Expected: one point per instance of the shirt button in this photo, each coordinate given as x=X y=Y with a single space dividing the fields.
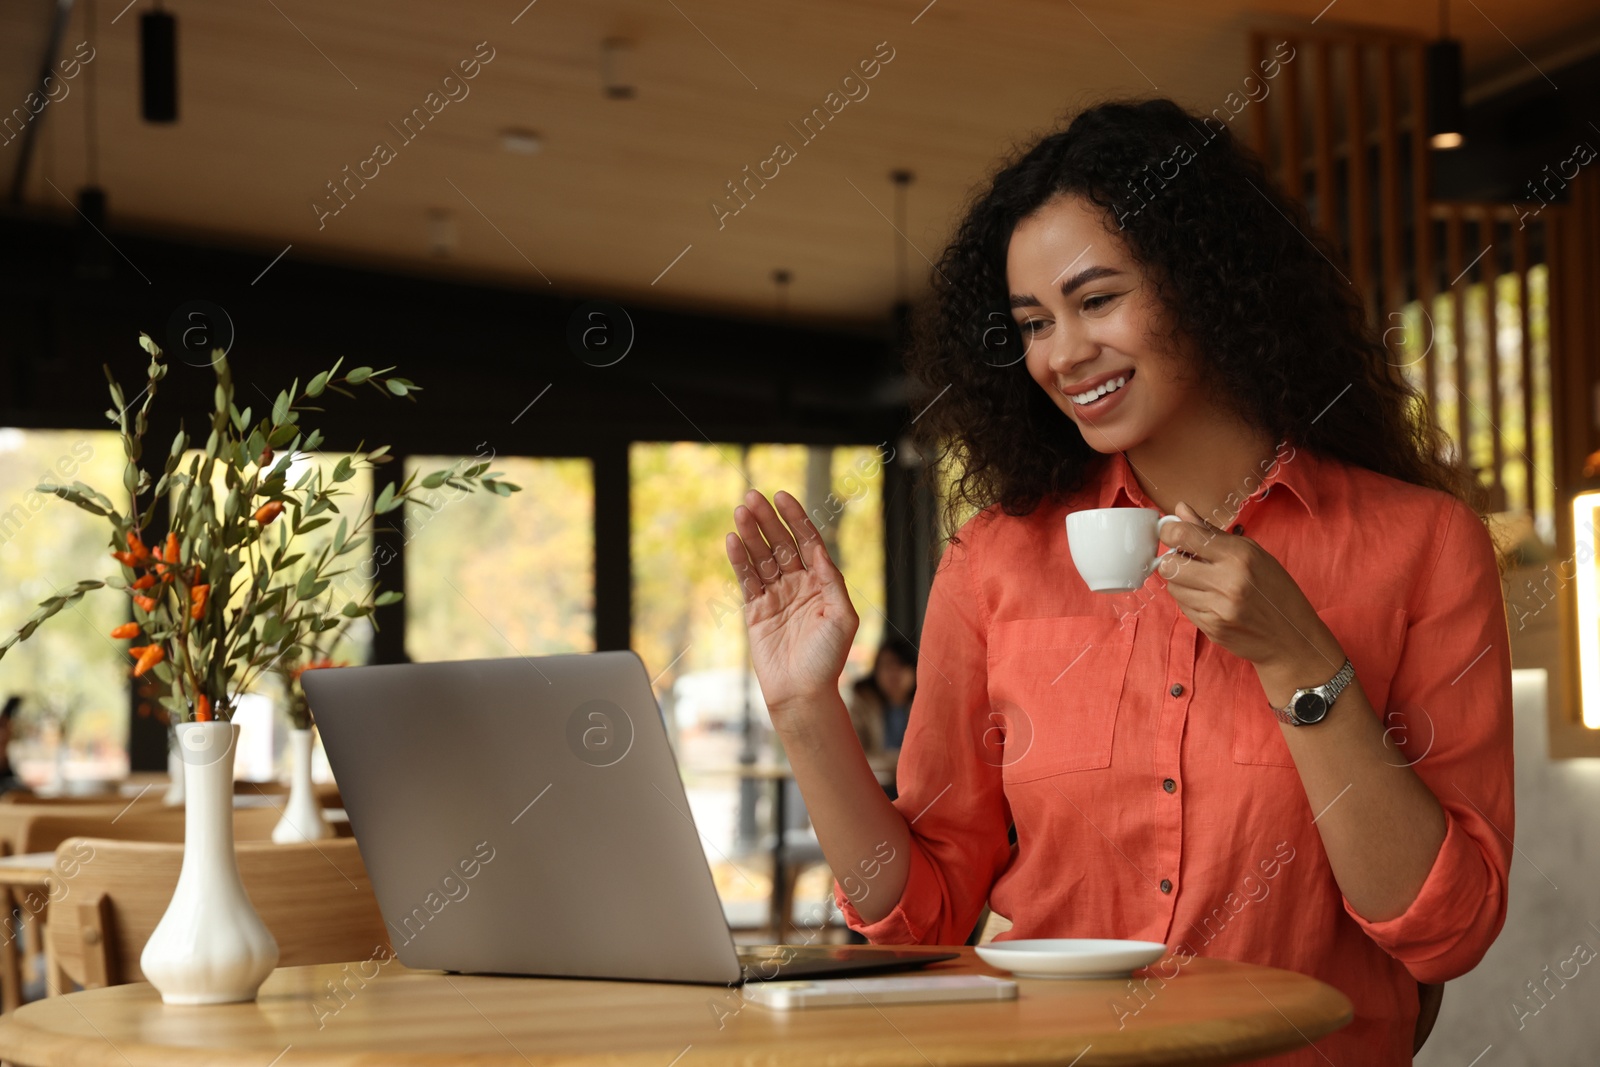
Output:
x=1166 y=885
x=1169 y=785
x=1177 y=689
x=1238 y=529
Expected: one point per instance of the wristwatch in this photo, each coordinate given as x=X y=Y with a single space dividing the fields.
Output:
x=1311 y=705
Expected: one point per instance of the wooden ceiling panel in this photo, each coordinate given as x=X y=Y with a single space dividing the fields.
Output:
x=276 y=98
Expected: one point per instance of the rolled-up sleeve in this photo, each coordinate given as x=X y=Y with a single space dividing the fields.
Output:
x=1453 y=685
x=949 y=778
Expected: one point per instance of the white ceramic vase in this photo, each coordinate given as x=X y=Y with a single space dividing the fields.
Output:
x=210 y=947
x=174 y=795
x=58 y=780
x=302 y=815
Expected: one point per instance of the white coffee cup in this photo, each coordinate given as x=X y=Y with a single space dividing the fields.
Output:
x=1115 y=549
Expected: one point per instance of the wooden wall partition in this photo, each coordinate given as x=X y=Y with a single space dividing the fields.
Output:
x=1575 y=335
x=1490 y=309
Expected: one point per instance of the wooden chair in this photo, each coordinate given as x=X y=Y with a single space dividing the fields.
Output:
x=315 y=898
x=29 y=828
x=46 y=830
x=23 y=796
x=1428 y=1000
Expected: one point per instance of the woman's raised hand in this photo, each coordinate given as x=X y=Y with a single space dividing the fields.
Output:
x=796 y=607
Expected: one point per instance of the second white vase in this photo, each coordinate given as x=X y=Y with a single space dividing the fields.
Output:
x=174 y=795
x=210 y=946
x=302 y=815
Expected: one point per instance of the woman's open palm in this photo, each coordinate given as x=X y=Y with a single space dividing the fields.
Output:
x=796 y=607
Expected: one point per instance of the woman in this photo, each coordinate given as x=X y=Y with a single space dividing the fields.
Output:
x=880 y=706
x=1136 y=742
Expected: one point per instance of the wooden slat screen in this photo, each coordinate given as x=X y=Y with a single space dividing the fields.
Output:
x=1433 y=267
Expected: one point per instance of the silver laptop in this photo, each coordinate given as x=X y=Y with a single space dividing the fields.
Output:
x=525 y=816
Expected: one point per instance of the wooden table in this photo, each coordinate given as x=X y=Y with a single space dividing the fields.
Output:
x=1212 y=1012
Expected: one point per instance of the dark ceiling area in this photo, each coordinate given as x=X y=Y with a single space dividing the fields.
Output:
x=1520 y=143
x=532 y=373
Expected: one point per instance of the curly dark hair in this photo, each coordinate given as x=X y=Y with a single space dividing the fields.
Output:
x=1241 y=268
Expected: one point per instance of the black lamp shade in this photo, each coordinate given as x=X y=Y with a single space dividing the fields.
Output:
x=1444 y=94
x=158 y=66
x=93 y=254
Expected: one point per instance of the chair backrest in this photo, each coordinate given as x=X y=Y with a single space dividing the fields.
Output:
x=15 y=818
x=107 y=897
x=44 y=830
x=24 y=796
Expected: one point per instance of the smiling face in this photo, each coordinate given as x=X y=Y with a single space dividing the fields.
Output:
x=1093 y=329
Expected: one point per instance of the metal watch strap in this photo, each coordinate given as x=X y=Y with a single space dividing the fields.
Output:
x=1329 y=691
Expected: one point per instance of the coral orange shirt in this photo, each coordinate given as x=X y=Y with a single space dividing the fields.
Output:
x=1153 y=795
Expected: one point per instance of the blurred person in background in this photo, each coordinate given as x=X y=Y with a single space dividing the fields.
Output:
x=8 y=777
x=880 y=706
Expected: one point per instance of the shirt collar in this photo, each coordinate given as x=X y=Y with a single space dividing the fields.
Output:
x=1293 y=468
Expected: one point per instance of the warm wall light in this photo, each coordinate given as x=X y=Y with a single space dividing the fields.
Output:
x=1588 y=597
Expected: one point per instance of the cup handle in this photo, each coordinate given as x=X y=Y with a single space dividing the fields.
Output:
x=1160 y=525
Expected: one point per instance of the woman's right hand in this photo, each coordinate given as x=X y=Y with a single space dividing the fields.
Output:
x=796 y=608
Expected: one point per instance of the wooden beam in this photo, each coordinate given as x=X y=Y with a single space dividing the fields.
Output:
x=1421 y=220
x=1458 y=315
x=1293 y=162
x=1488 y=270
x=1573 y=269
x=1530 y=455
x=1356 y=180
x=1258 y=115
x=1390 y=222
x=1327 y=203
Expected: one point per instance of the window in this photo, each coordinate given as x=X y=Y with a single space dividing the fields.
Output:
x=489 y=576
x=688 y=623
x=1493 y=344
x=70 y=673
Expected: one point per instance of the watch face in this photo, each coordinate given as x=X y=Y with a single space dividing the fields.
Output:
x=1310 y=707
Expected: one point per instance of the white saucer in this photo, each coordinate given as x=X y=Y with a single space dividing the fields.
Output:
x=1071 y=957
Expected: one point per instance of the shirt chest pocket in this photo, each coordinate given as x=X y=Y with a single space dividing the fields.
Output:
x=1055 y=685
x=1371 y=636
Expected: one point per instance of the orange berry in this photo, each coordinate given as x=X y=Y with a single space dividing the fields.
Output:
x=202 y=708
x=147 y=603
x=198 y=596
x=149 y=656
x=136 y=546
x=171 y=555
x=127 y=629
x=144 y=581
x=268 y=511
